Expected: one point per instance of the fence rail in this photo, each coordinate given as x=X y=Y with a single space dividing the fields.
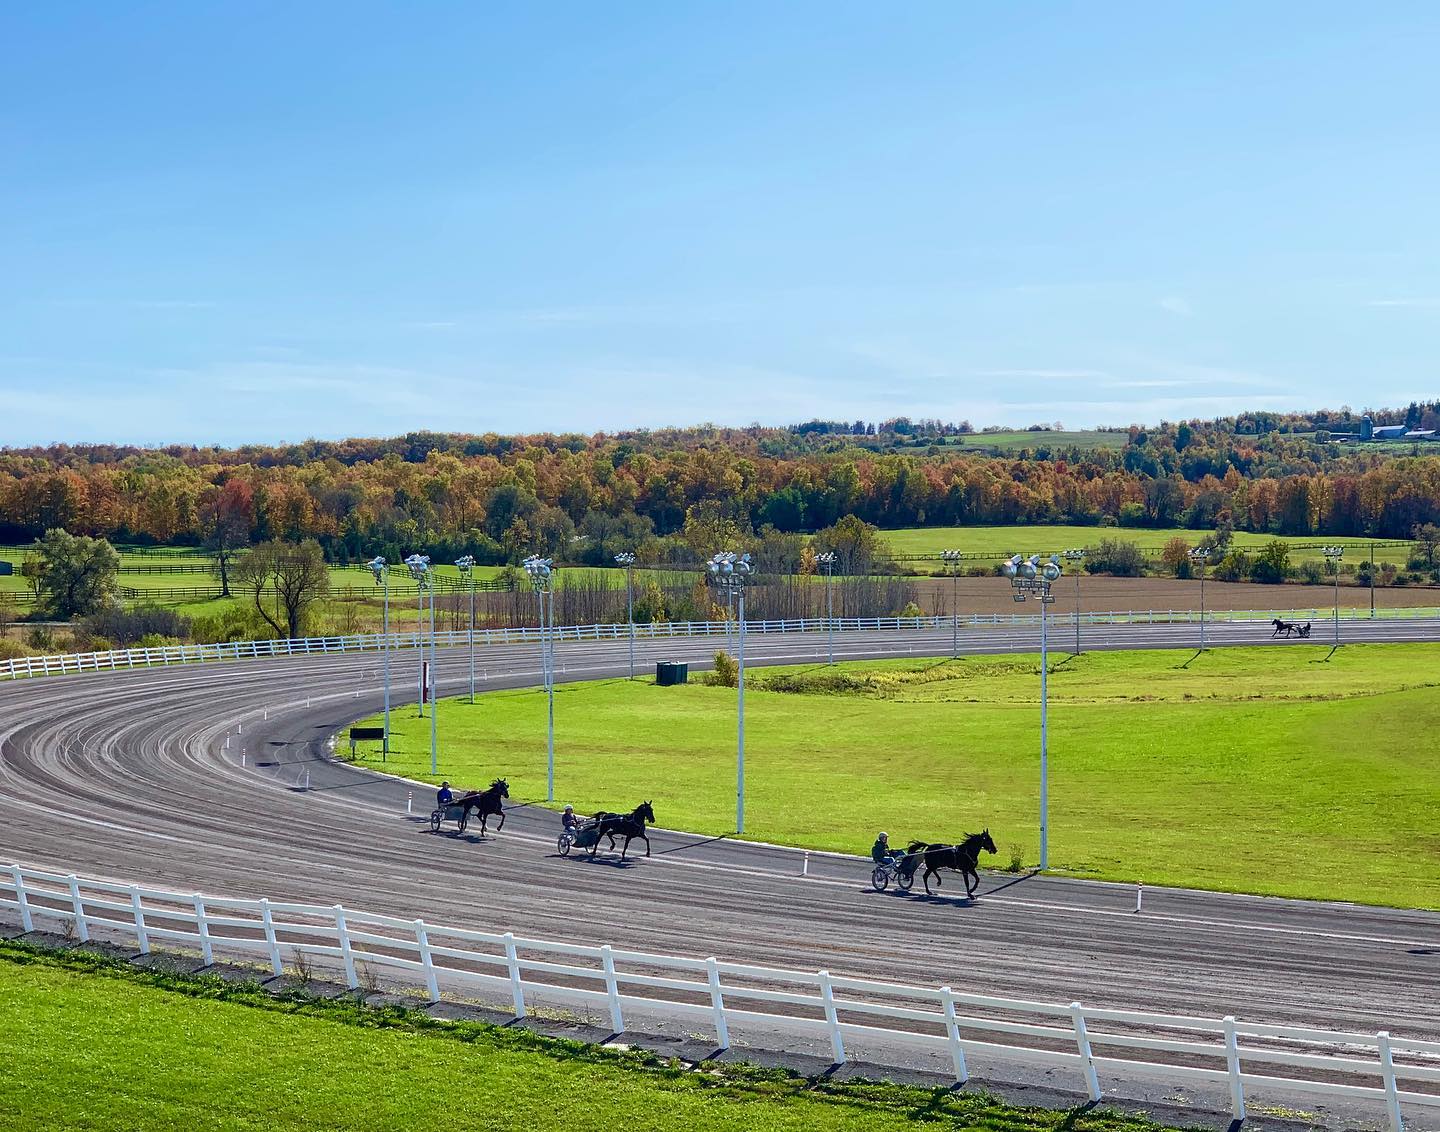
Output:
x=59 y=664
x=721 y=994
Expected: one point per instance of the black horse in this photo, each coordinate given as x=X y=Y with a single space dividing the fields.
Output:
x=1289 y=628
x=629 y=826
x=486 y=803
x=963 y=858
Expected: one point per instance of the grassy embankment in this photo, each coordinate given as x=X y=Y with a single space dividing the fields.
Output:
x=89 y=1043
x=1248 y=769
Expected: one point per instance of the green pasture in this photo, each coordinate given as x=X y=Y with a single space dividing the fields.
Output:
x=89 y=1043
x=1016 y=439
x=1049 y=539
x=1286 y=771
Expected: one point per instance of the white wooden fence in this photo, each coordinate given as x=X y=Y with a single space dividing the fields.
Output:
x=720 y=994
x=69 y=663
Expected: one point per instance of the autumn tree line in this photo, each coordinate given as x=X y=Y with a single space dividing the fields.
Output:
x=583 y=499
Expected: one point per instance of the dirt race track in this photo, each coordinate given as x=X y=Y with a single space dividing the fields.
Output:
x=127 y=775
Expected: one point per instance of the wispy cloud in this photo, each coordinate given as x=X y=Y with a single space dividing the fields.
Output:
x=1175 y=305
x=1427 y=303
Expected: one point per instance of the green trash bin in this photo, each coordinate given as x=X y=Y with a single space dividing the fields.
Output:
x=668 y=673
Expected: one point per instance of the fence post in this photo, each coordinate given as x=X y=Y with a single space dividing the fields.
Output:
x=142 y=937
x=1232 y=1059
x=203 y=929
x=952 y=1032
x=1387 y=1070
x=344 y=936
x=422 y=941
x=607 y=960
x=82 y=928
x=21 y=899
x=1082 y=1040
x=517 y=988
x=832 y=1019
x=717 y=1004
x=268 y=923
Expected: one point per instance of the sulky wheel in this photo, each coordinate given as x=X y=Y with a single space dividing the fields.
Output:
x=904 y=880
x=880 y=878
x=563 y=843
x=436 y=817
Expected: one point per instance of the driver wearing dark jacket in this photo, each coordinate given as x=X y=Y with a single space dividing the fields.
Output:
x=443 y=796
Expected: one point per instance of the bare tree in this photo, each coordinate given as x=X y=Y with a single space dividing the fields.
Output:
x=295 y=573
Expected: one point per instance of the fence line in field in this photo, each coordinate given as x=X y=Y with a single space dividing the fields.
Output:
x=114 y=659
x=722 y=994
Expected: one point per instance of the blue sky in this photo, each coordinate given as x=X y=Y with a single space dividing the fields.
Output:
x=261 y=222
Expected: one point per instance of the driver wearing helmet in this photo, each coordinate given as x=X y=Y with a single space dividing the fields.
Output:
x=444 y=796
x=569 y=820
x=881 y=852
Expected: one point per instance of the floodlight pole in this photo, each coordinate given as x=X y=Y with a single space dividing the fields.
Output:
x=541 y=571
x=1044 y=736
x=1372 y=579
x=952 y=559
x=1032 y=577
x=627 y=560
x=1333 y=554
x=1076 y=556
x=379 y=569
x=434 y=687
x=826 y=559
x=1201 y=559
x=425 y=581
x=466 y=566
x=420 y=639
x=729 y=572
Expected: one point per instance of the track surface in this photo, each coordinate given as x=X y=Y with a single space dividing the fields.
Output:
x=127 y=775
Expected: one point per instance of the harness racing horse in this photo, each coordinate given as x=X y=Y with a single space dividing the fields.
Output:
x=629 y=826
x=1289 y=628
x=486 y=803
x=963 y=858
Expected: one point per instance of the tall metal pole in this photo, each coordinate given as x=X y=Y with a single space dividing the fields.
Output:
x=1202 y=607
x=420 y=641
x=729 y=573
x=627 y=560
x=1333 y=554
x=541 y=571
x=381 y=571
x=550 y=709
x=434 y=685
x=1372 y=579
x=1033 y=577
x=1044 y=746
x=472 y=638
x=830 y=612
x=740 y=739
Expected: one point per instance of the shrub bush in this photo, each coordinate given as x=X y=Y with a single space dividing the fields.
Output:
x=726 y=673
x=1117 y=557
x=127 y=627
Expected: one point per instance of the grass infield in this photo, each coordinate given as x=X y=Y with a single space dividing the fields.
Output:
x=92 y=1043
x=1280 y=771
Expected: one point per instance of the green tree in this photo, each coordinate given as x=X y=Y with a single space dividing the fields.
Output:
x=1272 y=564
x=75 y=575
x=1428 y=536
x=292 y=575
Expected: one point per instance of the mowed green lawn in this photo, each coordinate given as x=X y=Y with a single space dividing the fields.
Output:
x=104 y=1049
x=1270 y=770
x=1050 y=539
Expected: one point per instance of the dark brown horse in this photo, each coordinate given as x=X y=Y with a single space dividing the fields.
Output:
x=485 y=804
x=963 y=858
x=629 y=826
